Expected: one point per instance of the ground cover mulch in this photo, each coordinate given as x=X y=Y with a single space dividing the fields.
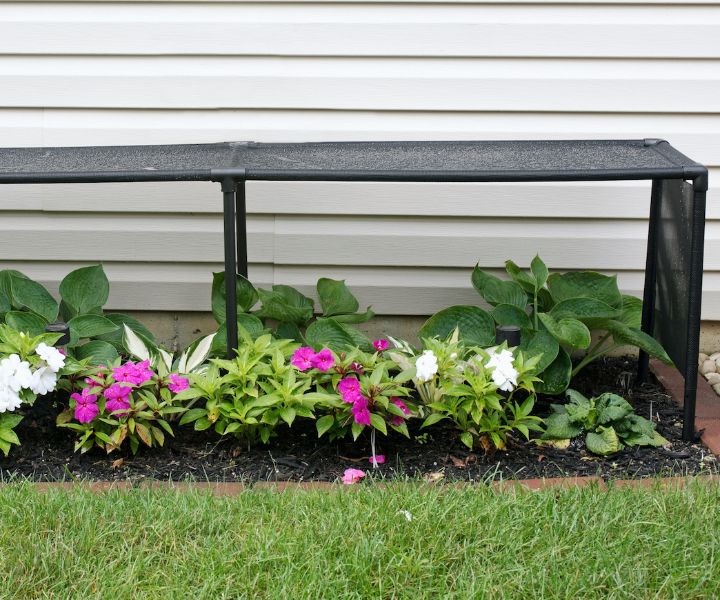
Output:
x=434 y=454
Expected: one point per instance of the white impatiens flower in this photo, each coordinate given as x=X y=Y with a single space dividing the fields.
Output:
x=426 y=366
x=43 y=381
x=9 y=399
x=52 y=356
x=15 y=373
x=504 y=374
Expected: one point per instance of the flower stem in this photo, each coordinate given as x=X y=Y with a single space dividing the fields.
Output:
x=372 y=449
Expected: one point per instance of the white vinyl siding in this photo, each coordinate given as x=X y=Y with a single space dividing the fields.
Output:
x=100 y=73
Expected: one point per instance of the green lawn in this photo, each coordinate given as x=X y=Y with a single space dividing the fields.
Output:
x=468 y=542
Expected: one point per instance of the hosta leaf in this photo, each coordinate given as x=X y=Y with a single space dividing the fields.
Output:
x=603 y=442
x=246 y=295
x=508 y=314
x=288 y=331
x=120 y=319
x=585 y=284
x=631 y=313
x=99 y=352
x=6 y=297
x=559 y=427
x=87 y=326
x=590 y=311
x=540 y=343
x=250 y=323
x=476 y=326
x=525 y=280
x=539 y=270
x=28 y=322
x=611 y=407
x=29 y=294
x=85 y=288
x=328 y=333
x=556 y=377
x=356 y=317
x=285 y=303
x=335 y=297
x=567 y=331
x=623 y=334
x=498 y=291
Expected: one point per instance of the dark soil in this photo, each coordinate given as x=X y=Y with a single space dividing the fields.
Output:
x=47 y=453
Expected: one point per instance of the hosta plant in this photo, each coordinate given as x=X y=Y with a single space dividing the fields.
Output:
x=29 y=367
x=607 y=421
x=289 y=314
x=251 y=395
x=487 y=393
x=556 y=314
x=27 y=306
x=129 y=402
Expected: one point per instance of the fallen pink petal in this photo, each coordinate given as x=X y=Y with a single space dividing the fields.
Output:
x=352 y=476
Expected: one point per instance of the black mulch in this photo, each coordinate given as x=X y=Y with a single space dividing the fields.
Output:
x=47 y=453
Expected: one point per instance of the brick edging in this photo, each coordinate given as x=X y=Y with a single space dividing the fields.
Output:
x=707 y=404
x=234 y=488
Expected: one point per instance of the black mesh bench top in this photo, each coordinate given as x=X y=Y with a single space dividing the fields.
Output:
x=353 y=161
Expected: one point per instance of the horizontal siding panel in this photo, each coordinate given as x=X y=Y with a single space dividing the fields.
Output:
x=608 y=200
x=570 y=244
x=362 y=30
x=301 y=240
x=629 y=201
x=142 y=238
x=672 y=86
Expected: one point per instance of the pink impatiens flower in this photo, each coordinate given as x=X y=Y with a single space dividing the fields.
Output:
x=349 y=389
x=380 y=345
x=397 y=419
x=352 y=476
x=133 y=373
x=323 y=360
x=177 y=384
x=302 y=358
x=356 y=367
x=360 y=411
x=86 y=408
x=378 y=459
x=117 y=398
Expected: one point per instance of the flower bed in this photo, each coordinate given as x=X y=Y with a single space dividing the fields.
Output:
x=298 y=376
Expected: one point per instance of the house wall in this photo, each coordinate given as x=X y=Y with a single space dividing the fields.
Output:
x=97 y=73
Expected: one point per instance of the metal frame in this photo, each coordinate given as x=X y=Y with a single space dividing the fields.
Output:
x=232 y=182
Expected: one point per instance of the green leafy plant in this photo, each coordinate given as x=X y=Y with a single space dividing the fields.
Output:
x=487 y=393
x=556 y=314
x=27 y=306
x=29 y=367
x=608 y=422
x=289 y=314
x=128 y=402
x=366 y=392
x=253 y=394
